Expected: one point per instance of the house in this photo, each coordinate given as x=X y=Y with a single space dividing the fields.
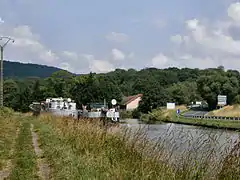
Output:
x=131 y=102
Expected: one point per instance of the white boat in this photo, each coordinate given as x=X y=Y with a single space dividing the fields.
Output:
x=67 y=107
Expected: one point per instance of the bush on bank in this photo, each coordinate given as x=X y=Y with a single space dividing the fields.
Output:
x=5 y=111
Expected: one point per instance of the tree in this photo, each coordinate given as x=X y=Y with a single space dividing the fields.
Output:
x=211 y=86
x=24 y=99
x=153 y=97
x=37 y=94
x=11 y=93
x=184 y=92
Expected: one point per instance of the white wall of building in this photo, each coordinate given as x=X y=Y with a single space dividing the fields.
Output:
x=134 y=104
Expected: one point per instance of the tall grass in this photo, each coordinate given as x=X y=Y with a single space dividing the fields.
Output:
x=84 y=150
x=8 y=132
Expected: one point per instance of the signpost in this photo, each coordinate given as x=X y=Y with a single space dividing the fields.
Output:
x=178 y=113
x=114 y=118
x=114 y=102
x=222 y=100
x=170 y=105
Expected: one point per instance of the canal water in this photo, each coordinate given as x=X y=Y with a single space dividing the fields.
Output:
x=184 y=138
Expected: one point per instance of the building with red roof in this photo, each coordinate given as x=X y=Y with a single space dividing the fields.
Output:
x=131 y=102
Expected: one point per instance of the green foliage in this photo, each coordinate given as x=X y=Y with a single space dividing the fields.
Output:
x=184 y=92
x=5 y=111
x=210 y=86
x=136 y=113
x=237 y=99
x=126 y=114
x=158 y=87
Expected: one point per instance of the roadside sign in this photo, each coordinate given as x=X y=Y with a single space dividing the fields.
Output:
x=114 y=102
x=170 y=105
x=178 y=111
x=222 y=100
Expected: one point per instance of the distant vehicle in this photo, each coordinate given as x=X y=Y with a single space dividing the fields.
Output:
x=199 y=104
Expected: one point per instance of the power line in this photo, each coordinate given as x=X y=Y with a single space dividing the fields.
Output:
x=6 y=41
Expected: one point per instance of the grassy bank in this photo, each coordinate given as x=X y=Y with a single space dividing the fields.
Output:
x=8 y=133
x=228 y=111
x=170 y=116
x=83 y=150
x=218 y=124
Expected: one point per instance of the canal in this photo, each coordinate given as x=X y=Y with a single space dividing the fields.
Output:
x=193 y=140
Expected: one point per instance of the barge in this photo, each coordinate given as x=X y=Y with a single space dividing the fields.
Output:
x=67 y=107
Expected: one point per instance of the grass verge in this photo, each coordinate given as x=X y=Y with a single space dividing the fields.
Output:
x=170 y=116
x=25 y=166
x=85 y=151
x=82 y=150
x=8 y=132
x=218 y=124
x=228 y=111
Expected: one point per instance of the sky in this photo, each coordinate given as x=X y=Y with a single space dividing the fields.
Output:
x=100 y=36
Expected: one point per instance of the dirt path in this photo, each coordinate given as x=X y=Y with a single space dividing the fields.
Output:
x=9 y=164
x=44 y=170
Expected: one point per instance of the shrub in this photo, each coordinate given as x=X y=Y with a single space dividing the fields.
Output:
x=6 y=112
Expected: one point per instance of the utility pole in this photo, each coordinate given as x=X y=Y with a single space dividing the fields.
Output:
x=7 y=40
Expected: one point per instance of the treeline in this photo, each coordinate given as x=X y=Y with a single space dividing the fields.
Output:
x=158 y=86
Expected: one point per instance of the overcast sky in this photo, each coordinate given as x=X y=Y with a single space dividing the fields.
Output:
x=99 y=36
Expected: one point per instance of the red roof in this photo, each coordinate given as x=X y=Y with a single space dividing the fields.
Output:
x=127 y=100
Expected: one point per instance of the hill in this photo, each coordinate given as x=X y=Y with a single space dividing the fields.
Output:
x=23 y=70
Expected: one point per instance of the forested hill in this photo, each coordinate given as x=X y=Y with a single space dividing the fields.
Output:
x=22 y=70
x=158 y=87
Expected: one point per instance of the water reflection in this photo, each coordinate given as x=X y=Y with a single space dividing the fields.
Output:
x=184 y=138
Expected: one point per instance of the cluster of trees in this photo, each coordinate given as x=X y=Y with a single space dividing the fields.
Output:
x=158 y=87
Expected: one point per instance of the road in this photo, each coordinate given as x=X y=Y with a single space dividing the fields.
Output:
x=192 y=113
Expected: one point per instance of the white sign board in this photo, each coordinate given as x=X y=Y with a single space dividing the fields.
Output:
x=222 y=100
x=170 y=105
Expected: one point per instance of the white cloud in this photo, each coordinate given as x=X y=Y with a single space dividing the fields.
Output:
x=187 y=60
x=209 y=44
x=101 y=66
x=117 y=37
x=118 y=55
x=162 y=61
x=234 y=11
x=65 y=66
x=29 y=48
x=70 y=55
x=212 y=39
x=176 y=39
x=192 y=24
